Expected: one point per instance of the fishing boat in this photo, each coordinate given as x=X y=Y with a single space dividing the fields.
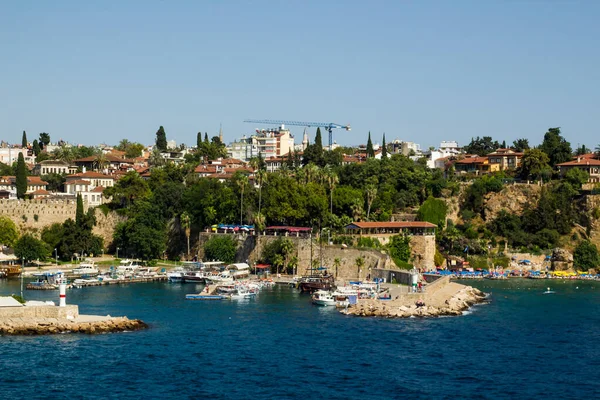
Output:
x=48 y=280
x=323 y=298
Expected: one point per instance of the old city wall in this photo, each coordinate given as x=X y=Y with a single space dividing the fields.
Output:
x=33 y=215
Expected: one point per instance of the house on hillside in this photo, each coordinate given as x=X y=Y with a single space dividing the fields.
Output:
x=53 y=167
x=109 y=163
x=474 y=164
x=505 y=159
x=585 y=163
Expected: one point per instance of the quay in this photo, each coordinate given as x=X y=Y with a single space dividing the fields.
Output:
x=158 y=278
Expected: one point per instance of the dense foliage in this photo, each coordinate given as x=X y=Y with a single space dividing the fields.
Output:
x=221 y=247
x=586 y=256
x=29 y=248
x=8 y=231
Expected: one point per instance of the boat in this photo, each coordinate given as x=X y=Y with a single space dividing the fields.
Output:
x=242 y=293
x=311 y=283
x=239 y=270
x=127 y=268
x=193 y=277
x=48 y=280
x=176 y=275
x=223 y=277
x=86 y=268
x=548 y=291
x=204 y=297
x=323 y=298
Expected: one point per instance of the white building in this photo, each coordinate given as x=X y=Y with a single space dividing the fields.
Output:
x=10 y=155
x=437 y=158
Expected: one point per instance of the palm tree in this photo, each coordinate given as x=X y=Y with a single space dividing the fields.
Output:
x=185 y=224
x=277 y=261
x=360 y=261
x=357 y=209
x=156 y=159
x=287 y=246
x=261 y=177
x=332 y=180
x=336 y=263
x=371 y=191
x=242 y=182
x=64 y=153
x=100 y=161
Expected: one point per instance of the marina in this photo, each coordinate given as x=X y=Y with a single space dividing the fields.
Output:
x=281 y=325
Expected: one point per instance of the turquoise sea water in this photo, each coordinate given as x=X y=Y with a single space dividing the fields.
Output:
x=522 y=345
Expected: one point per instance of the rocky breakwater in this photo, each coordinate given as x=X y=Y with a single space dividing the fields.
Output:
x=418 y=305
x=82 y=324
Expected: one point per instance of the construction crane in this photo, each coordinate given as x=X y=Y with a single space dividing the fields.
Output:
x=329 y=126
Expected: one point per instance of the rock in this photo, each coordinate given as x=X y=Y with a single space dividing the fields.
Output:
x=562 y=259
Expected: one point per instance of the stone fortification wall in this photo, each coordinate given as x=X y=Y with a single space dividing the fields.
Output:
x=250 y=248
x=35 y=214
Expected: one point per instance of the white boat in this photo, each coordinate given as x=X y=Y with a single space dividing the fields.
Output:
x=86 y=268
x=127 y=268
x=242 y=293
x=176 y=275
x=323 y=298
x=223 y=277
x=239 y=270
x=548 y=291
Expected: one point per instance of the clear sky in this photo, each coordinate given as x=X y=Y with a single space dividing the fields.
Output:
x=423 y=71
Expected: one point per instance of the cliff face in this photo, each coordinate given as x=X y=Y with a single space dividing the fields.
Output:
x=512 y=198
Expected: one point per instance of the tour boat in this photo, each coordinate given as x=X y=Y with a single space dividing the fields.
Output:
x=86 y=269
x=323 y=298
x=48 y=280
x=127 y=268
x=223 y=277
x=312 y=283
x=239 y=270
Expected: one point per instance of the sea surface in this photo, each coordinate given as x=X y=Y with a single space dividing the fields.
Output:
x=523 y=344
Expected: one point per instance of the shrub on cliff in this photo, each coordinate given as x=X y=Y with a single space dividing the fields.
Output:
x=221 y=248
x=8 y=231
x=30 y=248
x=586 y=256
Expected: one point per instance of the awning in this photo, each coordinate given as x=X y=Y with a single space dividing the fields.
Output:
x=262 y=266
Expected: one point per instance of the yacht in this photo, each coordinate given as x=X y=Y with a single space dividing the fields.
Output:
x=86 y=268
x=127 y=268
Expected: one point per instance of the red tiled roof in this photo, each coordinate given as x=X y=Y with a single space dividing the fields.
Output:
x=109 y=157
x=398 y=224
x=98 y=189
x=580 y=162
x=78 y=182
x=35 y=180
x=472 y=160
x=90 y=174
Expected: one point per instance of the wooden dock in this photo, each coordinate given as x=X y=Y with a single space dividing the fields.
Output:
x=159 y=278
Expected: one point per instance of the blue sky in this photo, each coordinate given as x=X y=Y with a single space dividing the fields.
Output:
x=423 y=71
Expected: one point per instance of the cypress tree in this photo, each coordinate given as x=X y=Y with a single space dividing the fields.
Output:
x=21 y=177
x=383 y=149
x=318 y=142
x=206 y=137
x=24 y=140
x=79 y=215
x=161 y=139
x=36 y=147
x=370 y=151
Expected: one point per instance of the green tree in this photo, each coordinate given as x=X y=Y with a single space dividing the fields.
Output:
x=360 y=262
x=24 y=142
x=481 y=146
x=79 y=214
x=433 y=210
x=520 y=145
x=399 y=249
x=370 y=151
x=8 y=231
x=44 y=140
x=221 y=247
x=242 y=182
x=533 y=164
x=129 y=189
x=383 y=149
x=36 y=147
x=586 y=256
x=29 y=248
x=161 y=139
x=556 y=147
x=185 y=224
x=21 y=177
x=371 y=193
x=198 y=141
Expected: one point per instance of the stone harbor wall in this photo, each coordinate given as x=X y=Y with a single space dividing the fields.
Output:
x=69 y=311
x=35 y=214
